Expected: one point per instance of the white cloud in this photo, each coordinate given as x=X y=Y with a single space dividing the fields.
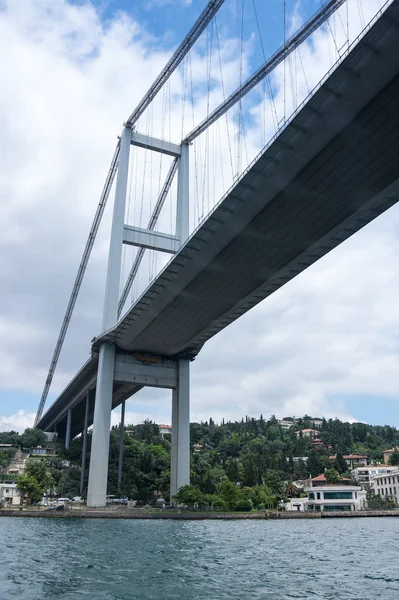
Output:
x=69 y=83
x=18 y=422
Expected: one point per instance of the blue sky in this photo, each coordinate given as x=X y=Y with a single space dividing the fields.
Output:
x=334 y=328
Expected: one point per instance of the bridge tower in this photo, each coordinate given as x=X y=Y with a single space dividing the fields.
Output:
x=112 y=366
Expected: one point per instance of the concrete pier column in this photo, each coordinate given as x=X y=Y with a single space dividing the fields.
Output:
x=84 y=444
x=68 y=429
x=121 y=440
x=180 y=451
x=98 y=473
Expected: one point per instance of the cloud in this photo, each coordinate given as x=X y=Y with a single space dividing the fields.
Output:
x=18 y=422
x=70 y=81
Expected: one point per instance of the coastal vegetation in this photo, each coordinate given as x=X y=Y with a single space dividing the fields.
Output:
x=258 y=454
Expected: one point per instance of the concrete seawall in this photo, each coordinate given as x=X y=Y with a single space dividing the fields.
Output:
x=191 y=516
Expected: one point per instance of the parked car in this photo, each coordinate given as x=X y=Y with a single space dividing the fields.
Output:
x=77 y=499
x=63 y=501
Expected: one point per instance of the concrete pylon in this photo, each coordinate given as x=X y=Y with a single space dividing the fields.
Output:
x=98 y=473
x=180 y=452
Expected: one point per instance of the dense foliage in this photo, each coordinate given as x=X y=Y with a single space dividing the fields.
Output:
x=258 y=454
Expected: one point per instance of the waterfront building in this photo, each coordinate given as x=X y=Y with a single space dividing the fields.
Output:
x=352 y=459
x=9 y=494
x=296 y=504
x=387 y=486
x=334 y=497
x=365 y=475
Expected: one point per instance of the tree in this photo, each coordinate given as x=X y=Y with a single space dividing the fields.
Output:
x=340 y=464
x=33 y=437
x=229 y=492
x=37 y=469
x=314 y=464
x=29 y=488
x=394 y=458
x=290 y=490
x=190 y=496
x=332 y=476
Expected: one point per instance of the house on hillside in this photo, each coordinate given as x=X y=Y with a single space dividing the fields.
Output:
x=286 y=423
x=307 y=433
x=352 y=459
x=388 y=453
x=164 y=429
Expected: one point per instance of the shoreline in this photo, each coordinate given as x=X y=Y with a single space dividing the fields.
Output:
x=192 y=516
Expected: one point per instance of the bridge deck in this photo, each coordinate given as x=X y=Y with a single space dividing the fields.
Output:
x=331 y=171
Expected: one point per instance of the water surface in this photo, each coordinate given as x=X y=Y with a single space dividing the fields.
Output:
x=338 y=559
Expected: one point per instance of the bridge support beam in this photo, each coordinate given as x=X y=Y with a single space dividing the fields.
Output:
x=98 y=474
x=68 y=429
x=84 y=445
x=180 y=451
x=121 y=440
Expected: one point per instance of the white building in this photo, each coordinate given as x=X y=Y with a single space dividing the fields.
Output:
x=365 y=475
x=307 y=433
x=387 y=486
x=163 y=429
x=286 y=423
x=334 y=497
x=9 y=495
x=296 y=504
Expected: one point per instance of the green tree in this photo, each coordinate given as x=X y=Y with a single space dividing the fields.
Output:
x=29 y=488
x=290 y=489
x=37 y=469
x=394 y=458
x=314 y=464
x=33 y=437
x=229 y=492
x=189 y=496
x=332 y=476
x=340 y=463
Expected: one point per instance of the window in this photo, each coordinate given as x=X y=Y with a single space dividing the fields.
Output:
x=338 y=507
x=318 y=495
x=311 y=496
x=337 y=495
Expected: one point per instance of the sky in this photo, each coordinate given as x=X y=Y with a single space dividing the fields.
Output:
x=325 y=344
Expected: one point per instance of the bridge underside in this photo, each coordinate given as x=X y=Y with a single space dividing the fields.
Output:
x=331 y=171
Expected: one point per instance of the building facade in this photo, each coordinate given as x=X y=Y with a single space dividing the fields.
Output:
x=334 y=497
x=9 y=495
x=307 y=433
x=387 y=486
x=365 y=476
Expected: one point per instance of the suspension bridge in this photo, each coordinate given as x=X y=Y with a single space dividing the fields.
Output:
x=329 y=170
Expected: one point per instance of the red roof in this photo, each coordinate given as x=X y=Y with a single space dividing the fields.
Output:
x=322 y=477
x=348 y=456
